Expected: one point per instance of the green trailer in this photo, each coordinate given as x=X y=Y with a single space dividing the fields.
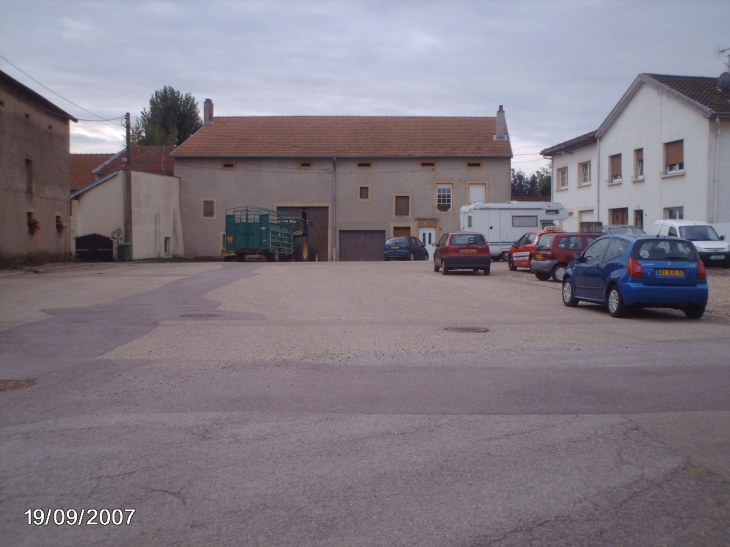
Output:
x=256 y=231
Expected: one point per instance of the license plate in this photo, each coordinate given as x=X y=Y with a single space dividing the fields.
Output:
x=717 y=257
x=467 y=250
x=395 y=247
x=670 y=273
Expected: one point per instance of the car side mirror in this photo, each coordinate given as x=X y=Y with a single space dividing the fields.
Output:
x=722 y=238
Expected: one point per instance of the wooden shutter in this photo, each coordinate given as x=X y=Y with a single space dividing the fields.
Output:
x=639 y=154
x=616 y=166
x=402 y=206
x=674 y=152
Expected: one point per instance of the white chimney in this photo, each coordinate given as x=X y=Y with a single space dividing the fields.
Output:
x=501 y=126
x=208 y=112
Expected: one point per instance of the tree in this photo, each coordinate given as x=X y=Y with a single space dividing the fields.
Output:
x=170 y=120
x=544 y=182
x=534 y=185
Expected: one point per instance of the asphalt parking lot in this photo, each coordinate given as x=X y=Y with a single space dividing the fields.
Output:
x=355 y=404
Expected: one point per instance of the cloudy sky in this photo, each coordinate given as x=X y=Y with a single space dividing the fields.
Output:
x=557 y=67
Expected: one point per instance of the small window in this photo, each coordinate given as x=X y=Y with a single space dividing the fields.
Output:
x=674 y=213
x=474 y=164
x=305 y=165
x=228 y=166
x=585 y=172
x=443 y=197
x=29 y=176
x=167 y=246
x=563 y=177
x=614 y=164
x=363 y=193
x=364 y=164
x=524 y=221
x=674 y=156
x=208 y=208
x=402 y=206
x=638 y=163
x=428 y=164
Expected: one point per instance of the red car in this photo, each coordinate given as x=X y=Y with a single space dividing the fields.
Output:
x=553 y=253
x=522 y=251
x=462 y=251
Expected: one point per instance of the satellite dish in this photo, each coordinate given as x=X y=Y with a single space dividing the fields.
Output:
x=723 y=82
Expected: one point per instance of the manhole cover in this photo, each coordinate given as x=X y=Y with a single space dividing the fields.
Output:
x=466 y=329
x=199 y=315
x=7 y=385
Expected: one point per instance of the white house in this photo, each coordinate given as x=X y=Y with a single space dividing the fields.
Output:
x=662 y=152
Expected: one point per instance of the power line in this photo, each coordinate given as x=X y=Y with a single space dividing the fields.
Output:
x=101 y=119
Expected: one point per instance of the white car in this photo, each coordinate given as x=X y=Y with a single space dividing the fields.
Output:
x=713 y=249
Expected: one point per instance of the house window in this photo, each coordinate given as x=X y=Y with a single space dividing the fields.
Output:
x=444 y=197
x=363 y=193
x=674 y=156
x=563 y=178
x=228 y=166
x=674 y=213
x=428 y=164
x=29 y=176
x=639 y=163
x=402 y=206
x=614 y=164
x=364 y=164
x=585 y=172
x=208 y=208
x=305 y=165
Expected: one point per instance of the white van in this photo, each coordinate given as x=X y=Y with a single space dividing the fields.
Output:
x=713 y=249
x=505 y=223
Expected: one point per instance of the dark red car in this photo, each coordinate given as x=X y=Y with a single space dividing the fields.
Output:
x=553 y=253
x=462 y=251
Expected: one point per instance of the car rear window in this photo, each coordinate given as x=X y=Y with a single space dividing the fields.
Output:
x=467 y=239
x=662 y=249
x=545 y=241
x=397 y=241
x=573 y=243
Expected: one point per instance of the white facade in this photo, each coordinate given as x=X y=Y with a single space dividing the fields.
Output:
x=648 y=128
x=156 y=221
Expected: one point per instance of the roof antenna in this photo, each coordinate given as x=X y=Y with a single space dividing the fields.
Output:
x=721 y=51
x=723 y=82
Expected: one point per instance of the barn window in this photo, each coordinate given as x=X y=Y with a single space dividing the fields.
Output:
x=208 y=208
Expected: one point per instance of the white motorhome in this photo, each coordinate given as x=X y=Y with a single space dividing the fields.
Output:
x=504 y=223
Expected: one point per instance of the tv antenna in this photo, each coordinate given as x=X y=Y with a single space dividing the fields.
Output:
x=725 y=52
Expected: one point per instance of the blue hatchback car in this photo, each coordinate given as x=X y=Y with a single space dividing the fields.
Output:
x=622 y=271
x=405 y=248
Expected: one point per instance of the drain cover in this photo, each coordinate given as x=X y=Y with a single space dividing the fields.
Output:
x=7 y=385
x=466 y=329
x=199 y=315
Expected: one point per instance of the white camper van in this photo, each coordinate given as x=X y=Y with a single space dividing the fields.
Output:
x=504 y=223
x=713 y=249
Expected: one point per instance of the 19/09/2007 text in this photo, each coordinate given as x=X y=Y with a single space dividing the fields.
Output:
x=73 y=517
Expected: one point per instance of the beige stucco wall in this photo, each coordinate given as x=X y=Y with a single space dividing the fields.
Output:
x=28 y=133
x=155 y=213
x=281 y=182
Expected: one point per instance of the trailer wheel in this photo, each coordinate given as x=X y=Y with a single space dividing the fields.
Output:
x=301 y=249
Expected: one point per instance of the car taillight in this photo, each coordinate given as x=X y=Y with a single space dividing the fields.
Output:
x=701 y=271
x=635 y=268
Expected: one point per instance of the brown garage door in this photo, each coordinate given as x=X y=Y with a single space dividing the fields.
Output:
x=362 y=245
x=318 y=231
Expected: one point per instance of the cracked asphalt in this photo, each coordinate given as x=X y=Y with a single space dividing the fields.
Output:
x=324 y=404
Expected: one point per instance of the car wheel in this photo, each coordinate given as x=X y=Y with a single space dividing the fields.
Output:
x=504 y=256
x=616 y=305
x=542 y=276
x=558 y=272
x=568 y=296
x=411 y=257
x=694 y=311
x=444 y=269
x=436 y=267
x=487 y=269
x=511 y=264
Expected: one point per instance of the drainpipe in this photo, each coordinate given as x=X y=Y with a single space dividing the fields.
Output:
x=598 y=182
x=334 y=209
x=717 y=169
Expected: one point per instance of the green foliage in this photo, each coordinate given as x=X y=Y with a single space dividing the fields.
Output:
x=534 y=185
x=171 y=119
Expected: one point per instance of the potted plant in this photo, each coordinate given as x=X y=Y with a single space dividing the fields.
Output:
x=442 y=207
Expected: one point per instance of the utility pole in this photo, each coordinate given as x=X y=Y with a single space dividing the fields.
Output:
x=128 y=186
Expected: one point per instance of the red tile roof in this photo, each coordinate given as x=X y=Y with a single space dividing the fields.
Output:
x=345 y=136
x=588 y=138
x=82 y=168
x=149 y=159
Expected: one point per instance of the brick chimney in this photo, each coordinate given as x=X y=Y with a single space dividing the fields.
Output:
x=208 y=112
x=501 y=126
